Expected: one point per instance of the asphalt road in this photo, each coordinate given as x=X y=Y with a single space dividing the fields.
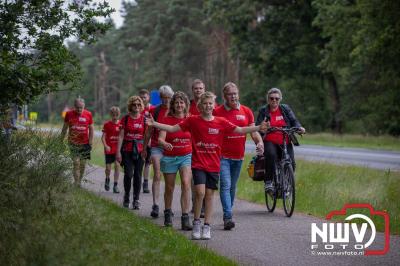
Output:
x=259 y=238
x=377 y=159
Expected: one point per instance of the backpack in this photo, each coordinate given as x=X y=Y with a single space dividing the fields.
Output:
x=256 y=168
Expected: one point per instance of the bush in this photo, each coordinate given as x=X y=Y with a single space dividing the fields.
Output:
x=33 y=182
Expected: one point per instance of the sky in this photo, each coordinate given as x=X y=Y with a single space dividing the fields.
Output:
x=116 y=16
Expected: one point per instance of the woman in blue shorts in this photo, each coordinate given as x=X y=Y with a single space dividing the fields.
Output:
x=177 y=156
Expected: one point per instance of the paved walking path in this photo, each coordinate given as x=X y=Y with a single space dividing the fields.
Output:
x=259 y=238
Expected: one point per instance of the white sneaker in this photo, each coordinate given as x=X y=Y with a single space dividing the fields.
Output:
x=206 y=233
x=196 y=232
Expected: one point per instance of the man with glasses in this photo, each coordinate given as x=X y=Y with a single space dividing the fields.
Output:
x=279 y=115
x=233 y=147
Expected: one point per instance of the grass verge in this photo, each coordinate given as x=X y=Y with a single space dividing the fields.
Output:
x=94 y=231
x=322 y=188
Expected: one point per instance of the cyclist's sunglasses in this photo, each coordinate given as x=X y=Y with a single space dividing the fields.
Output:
x=274 y=98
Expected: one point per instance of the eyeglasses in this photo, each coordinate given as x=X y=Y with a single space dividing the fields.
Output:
x=136 y=104
x=274 y=98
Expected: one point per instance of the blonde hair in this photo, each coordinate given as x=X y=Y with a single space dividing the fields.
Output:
x=228 y=86
x=179 y=95
x=195 y=82
x=115 y=109
x=204 y=96
x=134 y=99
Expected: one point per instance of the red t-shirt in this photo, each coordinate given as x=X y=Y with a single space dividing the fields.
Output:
x=148 y=108
x=78 y=126
x=111 y=130
x=134 y=130
x=276 y=121
x=234 y=143
x=193 y=108
x=160 y=117
x=207 y=138
x=181 y=141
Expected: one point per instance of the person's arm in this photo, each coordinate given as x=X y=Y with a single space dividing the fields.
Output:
x=150 y=122
x=103 y=140
x=64 y=130
x=161 y=140
x=147 y=137
x=91 y=133
x=243 y=130
x=258 y=141
x=120 y=140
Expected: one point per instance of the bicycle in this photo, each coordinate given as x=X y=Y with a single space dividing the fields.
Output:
x=283 y=182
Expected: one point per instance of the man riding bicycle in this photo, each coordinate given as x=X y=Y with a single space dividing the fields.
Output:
x=279 y=115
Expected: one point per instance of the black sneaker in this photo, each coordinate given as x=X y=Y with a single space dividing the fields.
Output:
x=186 y=223
x=228 y=224
x=168 y=217
x=115 y=189
x=107 y=184
x=154 y=211
x=136 y=205
x=146 y=186
x=126 y=203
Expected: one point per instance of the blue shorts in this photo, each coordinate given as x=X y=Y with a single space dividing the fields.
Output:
x=156 y=151
x=171 y=164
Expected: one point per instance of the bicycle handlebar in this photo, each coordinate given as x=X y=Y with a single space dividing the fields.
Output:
x=287 y=130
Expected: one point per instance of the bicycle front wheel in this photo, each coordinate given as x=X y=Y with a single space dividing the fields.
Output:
x=270 y=199
x=289 y=193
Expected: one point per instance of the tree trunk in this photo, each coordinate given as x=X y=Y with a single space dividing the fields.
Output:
x=337 y=122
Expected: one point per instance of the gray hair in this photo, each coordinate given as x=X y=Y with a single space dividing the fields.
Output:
x=274 y=90
x=166 y=90
x=79 y=99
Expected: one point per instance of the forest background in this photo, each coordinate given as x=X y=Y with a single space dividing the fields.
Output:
x=337 y=62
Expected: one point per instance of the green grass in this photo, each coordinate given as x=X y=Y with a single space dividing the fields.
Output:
x=355 y=141
x=322 y=187
x=94 y=231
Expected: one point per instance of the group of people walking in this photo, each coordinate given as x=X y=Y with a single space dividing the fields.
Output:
x=202 y=142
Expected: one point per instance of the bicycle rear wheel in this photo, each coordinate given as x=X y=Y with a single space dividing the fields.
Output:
x=289 y=193
x=270 y=199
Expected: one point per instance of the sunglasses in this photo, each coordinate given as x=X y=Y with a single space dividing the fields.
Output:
x=274 y=98
x=136 y=104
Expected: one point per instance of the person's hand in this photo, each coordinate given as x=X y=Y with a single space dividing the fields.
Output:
x=143 y=154
x=264 y=125
x=149 y=120
x=260 y=148
x=118 y=156
x=107 y=148
x=302 y=130
x=168 y=146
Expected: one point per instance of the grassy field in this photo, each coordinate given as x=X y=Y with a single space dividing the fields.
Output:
x=322 y=187
x=356 y=141
x=384 y=142
x=95 y=231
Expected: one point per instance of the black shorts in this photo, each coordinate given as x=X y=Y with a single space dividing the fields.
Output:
x=82 y=151
x=147 y=161
x=110 y=158
x=210 y=179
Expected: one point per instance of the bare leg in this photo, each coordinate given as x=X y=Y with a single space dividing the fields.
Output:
x=209 y=205
x=82 y=169
x=169 y=190
x=186 y=177
x=198 y=200
x=116 y=172
x=108 y=170
x=156 y=179
x=76 y=166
